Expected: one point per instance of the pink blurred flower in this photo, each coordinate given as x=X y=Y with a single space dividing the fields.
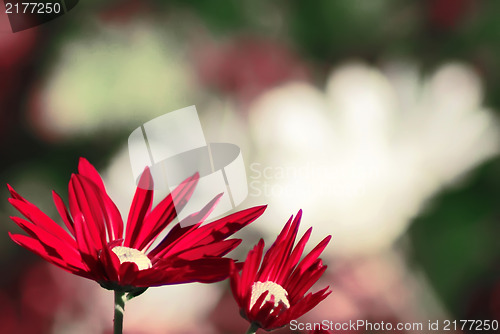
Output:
x=447 y=14
x=247 y=66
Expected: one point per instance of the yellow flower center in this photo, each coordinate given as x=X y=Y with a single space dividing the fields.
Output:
x=275 y=290
x=126 y=254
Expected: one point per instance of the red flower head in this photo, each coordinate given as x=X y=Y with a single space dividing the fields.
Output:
x=272 y=296
x=97 y=248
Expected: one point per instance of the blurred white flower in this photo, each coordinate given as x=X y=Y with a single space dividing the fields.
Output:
x=119 y=75
x=362 y=158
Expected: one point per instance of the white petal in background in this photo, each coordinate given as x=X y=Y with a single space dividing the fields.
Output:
x=362 y=158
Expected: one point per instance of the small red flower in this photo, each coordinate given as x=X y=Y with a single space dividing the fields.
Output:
x=97 y=248
x=272 y=296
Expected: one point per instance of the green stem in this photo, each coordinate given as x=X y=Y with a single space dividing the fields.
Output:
x=253 y=328
x=119 y=310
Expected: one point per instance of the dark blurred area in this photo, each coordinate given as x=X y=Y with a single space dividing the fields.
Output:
x=78 y=85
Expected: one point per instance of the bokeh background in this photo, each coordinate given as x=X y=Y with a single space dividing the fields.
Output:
x=378 y=118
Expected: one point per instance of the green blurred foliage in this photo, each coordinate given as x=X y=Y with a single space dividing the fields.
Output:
x=456 y=239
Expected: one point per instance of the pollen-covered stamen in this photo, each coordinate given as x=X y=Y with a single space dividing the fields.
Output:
x=275 y=290
x=126 y=254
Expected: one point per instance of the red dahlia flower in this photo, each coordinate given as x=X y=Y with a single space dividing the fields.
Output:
x=272 y=296
x=97 y=248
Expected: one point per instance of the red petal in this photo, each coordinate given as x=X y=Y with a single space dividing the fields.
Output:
x=114 y=223
x=84 y=201
x=63 y=212
x=174 y=234
x=271 y=255
x=85 y=168
x=208 y=270
x=200 y=216
x=303 y=306
x=99 y=212
x=113 y=218
x=282 y=253
x=299 y=249
x=250 y=268
x=235 y=281
x=226 y=226
x=299 y=285
x=46 y=237
x=313 y=255
x=140 y=207
x=128 y=273
x=110 y=263
x=261 y=313
x=84 y=239
x=61 y=259
x=164 y=212
x=257 y=307
x=39 y=218
x=214 y=231
x=14 y=194
x=220 y=248
x=169 y=245
x=152 y=277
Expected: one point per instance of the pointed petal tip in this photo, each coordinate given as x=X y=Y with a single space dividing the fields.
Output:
x=146 y=180
x=83 y=163
x=259 y=209
x=193 y=177
x=236 y=241
x=191 y=180
x=76 y=176
x=13 y=237
x=232 y=267
x=55 y=194
x=12 y=192
x=298 y=216
x=86 y=169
